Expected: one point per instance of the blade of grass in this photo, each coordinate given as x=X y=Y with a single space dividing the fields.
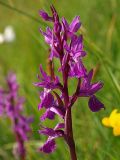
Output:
x=21 y=12
x=114 y=80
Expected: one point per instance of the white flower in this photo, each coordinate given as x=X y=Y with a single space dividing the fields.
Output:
x=9 y=34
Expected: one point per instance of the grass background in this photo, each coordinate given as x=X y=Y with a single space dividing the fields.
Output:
x=101 y=29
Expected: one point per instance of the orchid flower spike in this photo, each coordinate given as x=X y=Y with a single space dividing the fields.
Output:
x=66 y=46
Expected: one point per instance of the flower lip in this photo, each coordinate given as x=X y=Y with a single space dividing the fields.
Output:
x=49 y=146
x=47 y=100
x=94 y=104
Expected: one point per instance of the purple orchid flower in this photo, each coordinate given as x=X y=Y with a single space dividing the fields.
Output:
x=52 y=134
x=51 y=106
x=12 y=106
x=46 y=81
x=68 y=47
x=73 y=27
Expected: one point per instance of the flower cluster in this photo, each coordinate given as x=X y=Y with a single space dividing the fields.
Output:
x=11 y=105
x=113 y=121
x=68 y=47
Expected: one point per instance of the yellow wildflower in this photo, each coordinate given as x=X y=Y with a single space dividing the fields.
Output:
x=113 y=121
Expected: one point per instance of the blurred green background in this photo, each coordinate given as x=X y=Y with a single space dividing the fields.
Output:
x=101 y=29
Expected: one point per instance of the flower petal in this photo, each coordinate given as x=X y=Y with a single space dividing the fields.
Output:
x=59 y=126
x=75 y=25
x=116 y=131
x=95 y=88
x=48 y=131
x=106 y=122
x=48 y=114
x=47 y=100
x=94 y=104
x=45 y=16
x=49 y=146
x=58 y=110
x=77 y=69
